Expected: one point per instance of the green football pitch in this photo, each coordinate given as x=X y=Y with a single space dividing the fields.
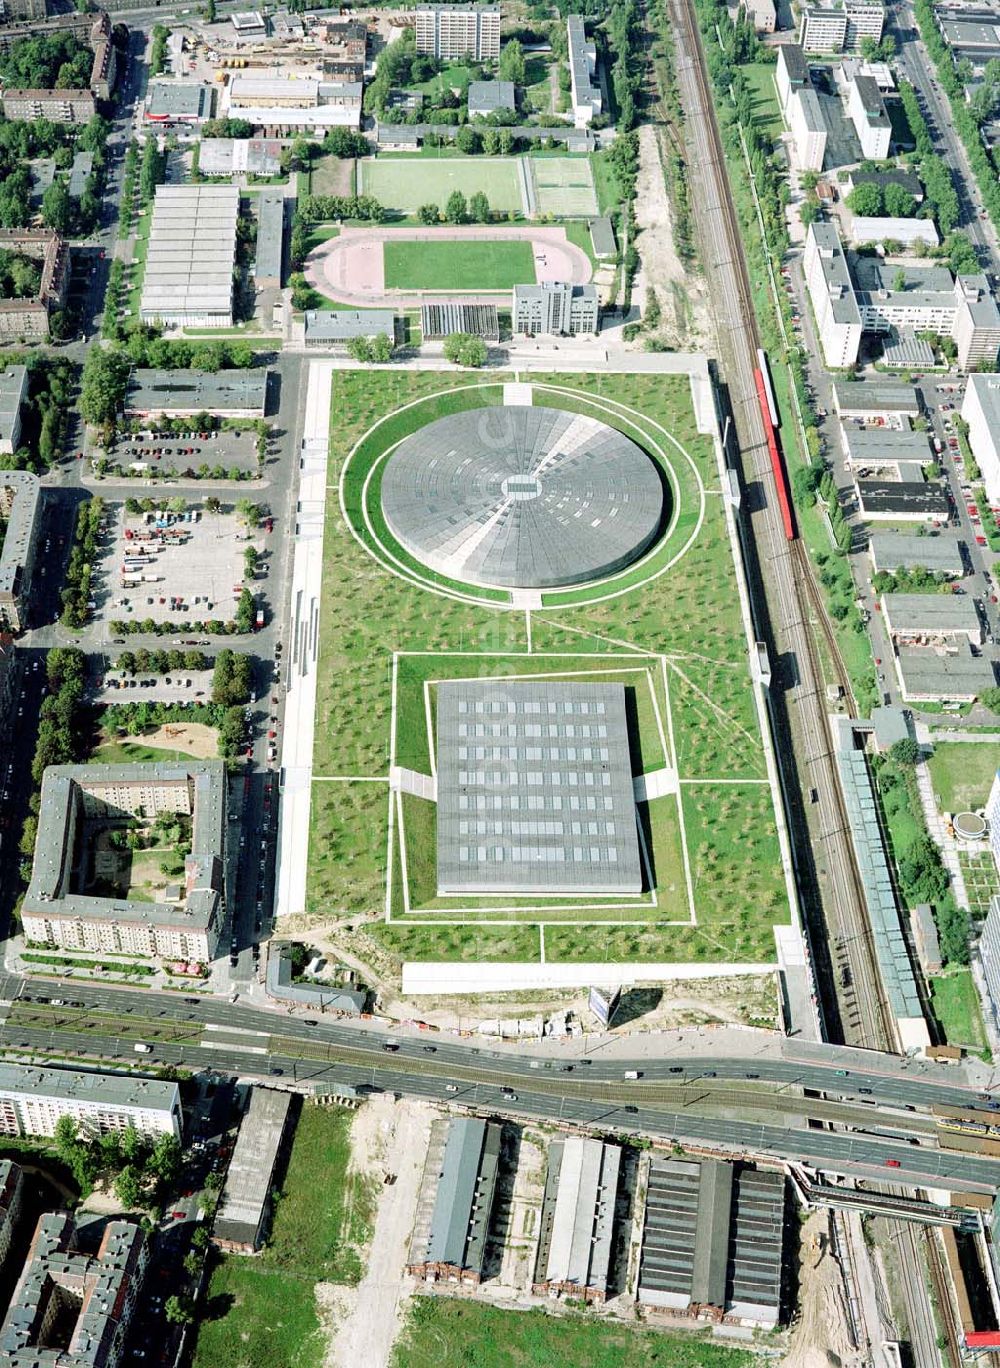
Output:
x=479 y=265
x=403 y=184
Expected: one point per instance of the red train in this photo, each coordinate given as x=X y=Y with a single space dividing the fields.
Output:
x=766 y=402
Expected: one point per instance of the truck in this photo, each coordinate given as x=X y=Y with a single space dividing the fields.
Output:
x=141 y=1048
x=633 y=1073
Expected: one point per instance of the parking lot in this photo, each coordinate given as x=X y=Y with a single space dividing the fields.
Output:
x=181 y=687
x=179 y=568
x=206 y=455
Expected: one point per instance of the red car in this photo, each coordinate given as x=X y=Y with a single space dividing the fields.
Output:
x=892 y=1163
x=179 y=1215
x=980 y=541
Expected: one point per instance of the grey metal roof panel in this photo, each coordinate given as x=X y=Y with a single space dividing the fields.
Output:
x=464 y=1198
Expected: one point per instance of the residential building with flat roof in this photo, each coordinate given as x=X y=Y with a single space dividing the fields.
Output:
x=184 y=393
x=762 y=14
x=191 y=257
x=906 y=180
x=170 y=101
x=555 y=309
x=20 y=497
x=490 y=97
x=463 y=1172
x=712 y=1242
x=334 y=329
x=87 y=1301
x=976 y=330
x=949 y=673
x=440 y=320
x=62 y=908
x=33 y=1101
x=28 y=319
x=808 y=129
x=568 y=825
x=840 y=28
x=931 y=619
x=871 y=122
x=828 y=279
x=13 y=392
x=58 y=106
x=981 y=410
x=585 y=92
x=450 y=32
x=987 y=951
x=241 y=1221
x=791 y=74
x=892 y=551
x=11 y=1205
x=270 y=239
x=576 y=1238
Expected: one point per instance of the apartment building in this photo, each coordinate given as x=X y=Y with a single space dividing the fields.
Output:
x=981 y=410
x=29 y=318
x=11 y=1204
x=808 y=129
x=791 y=74
x=762 y=14
x=829 y=28
x=584 y=87
x=828 y=279
x=450 y=32
x=33 y=1100
x=871 y=122
x=20 y=494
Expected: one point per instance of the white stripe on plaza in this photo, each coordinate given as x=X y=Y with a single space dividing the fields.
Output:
x=303 y=652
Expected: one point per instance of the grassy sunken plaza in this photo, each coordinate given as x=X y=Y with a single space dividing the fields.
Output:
x=666 y=628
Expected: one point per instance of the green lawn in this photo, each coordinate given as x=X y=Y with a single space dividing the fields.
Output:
x=263 y=1311
x=962 y=772
x=442 y=1331
x=403 y=184
x=472 y=265
x=956 y=1007
x=689 y=611
x=759 y=76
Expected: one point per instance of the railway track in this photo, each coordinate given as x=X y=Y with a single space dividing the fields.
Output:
x=789 y=618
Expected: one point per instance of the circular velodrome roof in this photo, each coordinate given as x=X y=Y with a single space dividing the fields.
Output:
x=521 y=497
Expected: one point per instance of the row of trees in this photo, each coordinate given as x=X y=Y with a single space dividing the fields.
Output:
x=872 y=201
x=371 y=349
x=458 y=210
x=934 y=171
x=915 y=580
x=232 y=679
x=76 y=591
x=161 y=661
x=321 y=208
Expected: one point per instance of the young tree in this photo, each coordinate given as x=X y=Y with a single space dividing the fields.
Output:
x=865 y=200
x=512 y=63
x=179 y=1310
x=465 y=350
x=381 y=348
x=479 y=208
x=249 y=512
x=128 y=1187
x=57 y=208
x=456 y=210
x=429 y=214
x=467 y=140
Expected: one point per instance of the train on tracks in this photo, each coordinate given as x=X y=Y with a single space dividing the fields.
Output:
x=769 y=417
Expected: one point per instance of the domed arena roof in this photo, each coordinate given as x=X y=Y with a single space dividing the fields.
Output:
x=522 y=497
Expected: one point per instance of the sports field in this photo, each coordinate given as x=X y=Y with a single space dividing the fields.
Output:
x=564 y=186
x=671 y=630
x=478 y=265
x=403 y=184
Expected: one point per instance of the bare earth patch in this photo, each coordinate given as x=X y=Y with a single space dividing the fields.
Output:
x=681 y=294
x=387 y=1137
x=820 y=1338
x=194 y=738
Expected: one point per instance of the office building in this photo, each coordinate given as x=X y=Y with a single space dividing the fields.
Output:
x=334 y=329
x=20 y=497
x=902 y=501
x=270 y=239
x=568 y=825
x=808 y=129
x=13 y=392
x=490 y=97
x=885 y=449
x=71 y=1309
x=981 y=410
x=904 y=231
x=578 y=1219
x=585 y=90
x=988 y=953
x=886 y=403
x=867 y=112
x=555 y=309
x=191 y=257
x=828 y=279
x=951 y=672
x=992 y=813
x=451 y=32
x=712 y=1242
x=829 y=28
x=461 y=1171
x=241 y=1221
x=34 y=1100
x=11 y=1205
x=893 y=551
x=184 y=393
x=68 y=906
